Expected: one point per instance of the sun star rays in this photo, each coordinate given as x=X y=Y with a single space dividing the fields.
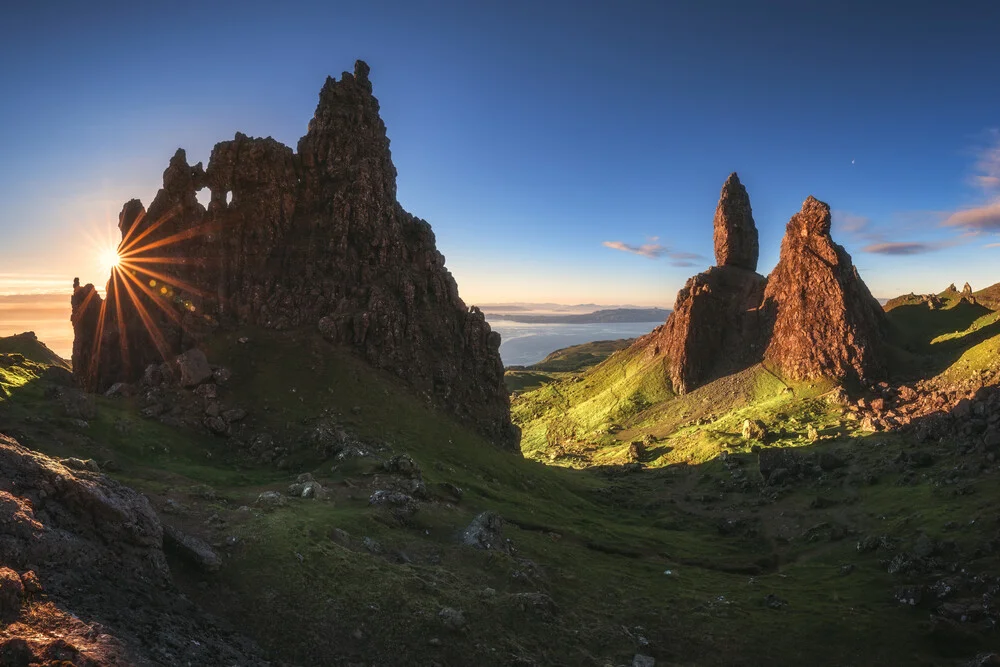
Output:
x=134 y=283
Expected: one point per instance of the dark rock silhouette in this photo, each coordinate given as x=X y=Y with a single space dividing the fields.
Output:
x=735 y=232
x=313 y=238
x=826 y=322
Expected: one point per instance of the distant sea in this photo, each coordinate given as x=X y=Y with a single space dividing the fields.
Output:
x=525 y=344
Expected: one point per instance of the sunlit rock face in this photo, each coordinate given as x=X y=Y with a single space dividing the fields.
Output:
x=826 y=322
x=811 y=317
x=715 y=328
x=735 y=234
x=313 y=238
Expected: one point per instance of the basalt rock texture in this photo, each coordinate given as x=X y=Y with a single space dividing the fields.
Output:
x=735 y=232
x=84 y=578
x=313 y=238
x=812 y=317
x=715 y=328
x=825 y=321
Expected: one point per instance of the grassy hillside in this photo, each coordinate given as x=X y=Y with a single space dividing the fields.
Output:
x=989 y=296
x=571 y=359
x=32 y=349
x=692 y=560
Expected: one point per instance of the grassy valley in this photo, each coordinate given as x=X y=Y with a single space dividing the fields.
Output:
x=639 y=522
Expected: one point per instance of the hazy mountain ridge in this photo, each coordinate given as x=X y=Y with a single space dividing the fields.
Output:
x=621 y=315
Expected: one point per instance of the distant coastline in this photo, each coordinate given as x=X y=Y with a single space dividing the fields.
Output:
x=610 y=316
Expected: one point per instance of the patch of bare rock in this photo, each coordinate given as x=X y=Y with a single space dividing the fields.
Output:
x=85 y=580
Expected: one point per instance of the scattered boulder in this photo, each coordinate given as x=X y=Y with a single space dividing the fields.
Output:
x=11 y=594
x=307 y=489
x=402 y=464
x=192 y=549
x=754 y=429
x=81 y=464
x=772 y=459
x=486 y=532
x=636 y=451
x=192 y=368
x=452 y=618
x=270 y=499
x=118 y=389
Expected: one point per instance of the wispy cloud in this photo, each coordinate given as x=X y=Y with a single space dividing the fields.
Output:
x=905 y=248
x=653 y=249
x=984 y=218
x=992 y=245
x=987 y=167
x=650 y=250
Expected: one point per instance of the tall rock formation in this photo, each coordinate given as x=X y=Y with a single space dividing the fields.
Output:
x=715 y=328
x=825 y=321
x=313 y=238
x=812 y=317
x=735 y=232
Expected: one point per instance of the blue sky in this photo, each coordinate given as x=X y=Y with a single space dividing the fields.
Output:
x=534 y=137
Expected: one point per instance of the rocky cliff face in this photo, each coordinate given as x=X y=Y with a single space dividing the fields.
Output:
x=826 y=322
x=812 y=317
x=84 y=579
x=715 y=328
x=313 y=238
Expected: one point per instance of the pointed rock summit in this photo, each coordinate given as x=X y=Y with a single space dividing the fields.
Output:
x=714 y=329
x=735 y=232
x=312 y=239
x=812 y=317
x=826 y=322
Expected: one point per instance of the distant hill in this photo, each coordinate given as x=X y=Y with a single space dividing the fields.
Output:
x=573 y=359
x=611 y=316
x=989 y=297
x=27 y=345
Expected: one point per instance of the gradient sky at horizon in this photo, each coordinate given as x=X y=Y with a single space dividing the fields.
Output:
x=562 y=151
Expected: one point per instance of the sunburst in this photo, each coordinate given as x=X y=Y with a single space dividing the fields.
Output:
x=132 y=279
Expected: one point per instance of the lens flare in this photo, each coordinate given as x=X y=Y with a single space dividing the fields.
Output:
x=109 y=259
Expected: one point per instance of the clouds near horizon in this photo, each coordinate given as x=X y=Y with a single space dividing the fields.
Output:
x=655 y=250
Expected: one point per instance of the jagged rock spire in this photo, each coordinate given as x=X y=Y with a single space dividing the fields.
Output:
x=310 y=240
x=735 y=231
x=826 y=322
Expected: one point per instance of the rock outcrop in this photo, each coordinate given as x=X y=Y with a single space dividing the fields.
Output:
x=826 y=322
x=812 y=317
x=715 y=328
x=314 y=239
x=735 y=232
x=95 y=548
